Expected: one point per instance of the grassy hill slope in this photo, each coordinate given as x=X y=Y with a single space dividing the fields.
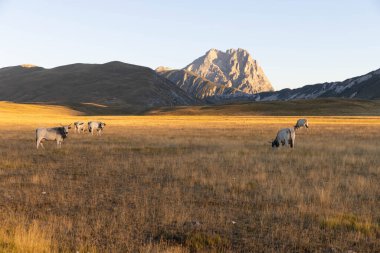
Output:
x=331 y=107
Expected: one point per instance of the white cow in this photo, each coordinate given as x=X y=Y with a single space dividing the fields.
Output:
x=286 y=137
x=301 y=123
x=96 y=126
x=79 y=126
x=57 y=134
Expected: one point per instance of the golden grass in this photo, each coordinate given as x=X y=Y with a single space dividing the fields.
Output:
x=20 y=237
x=9 y=108
x=191 y=184
x=350 y=222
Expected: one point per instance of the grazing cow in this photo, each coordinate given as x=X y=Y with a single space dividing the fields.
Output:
x=57 y=134
x=286 y=137
x=96 y=126
x=79 y=126
x=301 y=123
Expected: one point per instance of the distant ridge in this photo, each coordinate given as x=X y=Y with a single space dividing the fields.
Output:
x=362 y=87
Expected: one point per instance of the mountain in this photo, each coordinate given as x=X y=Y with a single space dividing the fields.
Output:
x=362 y=87
x=117 y=86
x=120 y=88
x=234 y=68
x=220 y=73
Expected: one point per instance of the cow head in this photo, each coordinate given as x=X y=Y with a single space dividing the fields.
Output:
x=102 y=125
x=65 y=130
x=275 y=143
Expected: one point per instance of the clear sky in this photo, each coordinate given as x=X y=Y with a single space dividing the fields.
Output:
x=297 y=42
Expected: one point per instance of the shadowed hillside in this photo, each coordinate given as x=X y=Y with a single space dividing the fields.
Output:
x=195 y=85
x=101 y=88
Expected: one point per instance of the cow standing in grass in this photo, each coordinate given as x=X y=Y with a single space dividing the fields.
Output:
x=301 y=123
x=79 y=127
x=96 y=126
x=57 y=134
x=284 y=137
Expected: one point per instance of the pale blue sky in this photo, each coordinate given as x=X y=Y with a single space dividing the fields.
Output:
x=297 y=42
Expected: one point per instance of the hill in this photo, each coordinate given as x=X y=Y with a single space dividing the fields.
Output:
x=112 y=87
x=314 y=107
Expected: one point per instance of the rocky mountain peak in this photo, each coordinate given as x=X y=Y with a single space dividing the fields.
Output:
x=237 y=51
x=234 y=68
x=27 y=65
x=162 y=69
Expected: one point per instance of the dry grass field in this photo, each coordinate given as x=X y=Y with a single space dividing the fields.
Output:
x=189 y=184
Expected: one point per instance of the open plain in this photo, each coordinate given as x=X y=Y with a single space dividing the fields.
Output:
x=189 y=184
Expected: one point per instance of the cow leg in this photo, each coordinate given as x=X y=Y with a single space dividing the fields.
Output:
x=292 y=143
x=39 y=143
x=59 y=143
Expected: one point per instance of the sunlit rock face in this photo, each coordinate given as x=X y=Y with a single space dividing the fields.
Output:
x=219 y=73
x=234 y=68
x=27 y=65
